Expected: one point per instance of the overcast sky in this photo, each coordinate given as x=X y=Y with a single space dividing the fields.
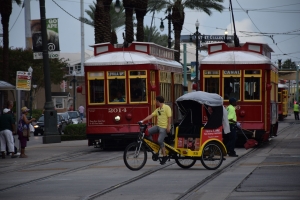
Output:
x=276 y=18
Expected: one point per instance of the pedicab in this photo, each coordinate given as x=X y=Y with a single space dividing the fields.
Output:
x=195 y=138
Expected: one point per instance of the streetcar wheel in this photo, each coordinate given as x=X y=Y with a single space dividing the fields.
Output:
x=134 y=159
x=212 y=156
x=184 y=163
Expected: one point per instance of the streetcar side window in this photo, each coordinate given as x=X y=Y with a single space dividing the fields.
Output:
x=212 y=85
x=232 y=88
x=96 y=91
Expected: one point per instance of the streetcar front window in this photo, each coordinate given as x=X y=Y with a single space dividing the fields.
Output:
x=138 y=89
x=251 y=88
x=117 y=92
x=96 y=94
x=232 y=88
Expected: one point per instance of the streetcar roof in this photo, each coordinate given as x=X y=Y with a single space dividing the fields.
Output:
x=236 y=57
x=210 y=99
x=129 y=58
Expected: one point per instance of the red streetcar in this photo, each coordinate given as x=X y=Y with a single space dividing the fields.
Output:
x=247 y=74
x=122 y=84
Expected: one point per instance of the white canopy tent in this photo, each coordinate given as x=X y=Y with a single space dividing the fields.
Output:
x=6 y=86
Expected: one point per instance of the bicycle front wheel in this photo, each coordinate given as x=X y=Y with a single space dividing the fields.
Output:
x=212 y=156
x=134 y=157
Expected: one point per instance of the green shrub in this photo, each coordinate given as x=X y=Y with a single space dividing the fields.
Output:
x=75 y=129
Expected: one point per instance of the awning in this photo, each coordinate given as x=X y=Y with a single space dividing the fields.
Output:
x=6 y=86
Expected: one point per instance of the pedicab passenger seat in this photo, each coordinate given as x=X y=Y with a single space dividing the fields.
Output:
x=189 y=131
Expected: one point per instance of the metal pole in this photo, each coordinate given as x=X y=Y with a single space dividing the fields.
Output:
x=297 y=89
x=74 y=96
x=169 y=27
x=50 y=114
x=197 y=41
x=82 y=39
x=30 y=102
x=28 y=40
x=184 y=67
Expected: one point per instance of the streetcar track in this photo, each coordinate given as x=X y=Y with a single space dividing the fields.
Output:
x=214 y=175
x=136 y=178
x=58 y=174
x=46 y=161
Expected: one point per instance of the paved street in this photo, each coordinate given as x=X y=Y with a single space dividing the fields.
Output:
x=72 y=170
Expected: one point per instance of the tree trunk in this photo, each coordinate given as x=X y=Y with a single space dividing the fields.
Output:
x=141 y=10
x=5 y=10
x=106 y=20
x=99 y=22
x=129 y=6
x=177 y=20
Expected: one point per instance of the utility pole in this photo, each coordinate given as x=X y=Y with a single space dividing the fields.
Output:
x=50 y=114
x=27 y=16
x=82 y=38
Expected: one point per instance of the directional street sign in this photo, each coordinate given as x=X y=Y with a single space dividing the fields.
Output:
x=23 y=80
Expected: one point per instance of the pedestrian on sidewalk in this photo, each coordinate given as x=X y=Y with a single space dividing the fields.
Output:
x=296 y=110
x=81 y=111
x=23 y=130
x=7 y=129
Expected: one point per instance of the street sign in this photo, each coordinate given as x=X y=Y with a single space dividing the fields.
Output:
x=23 y=80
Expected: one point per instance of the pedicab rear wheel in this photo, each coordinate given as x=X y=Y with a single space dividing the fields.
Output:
x=134 y=159
x=184 y=163
x=212 y=156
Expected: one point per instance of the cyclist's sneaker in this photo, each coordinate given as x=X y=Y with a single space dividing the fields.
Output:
x=164 y=160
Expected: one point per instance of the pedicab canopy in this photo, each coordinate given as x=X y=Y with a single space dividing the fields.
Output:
x=192 y=105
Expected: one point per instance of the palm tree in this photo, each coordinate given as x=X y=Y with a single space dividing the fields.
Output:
x=140 y=11
x=178 y=14
x=5 y=11
x=117 y=19
x=102 y=21
x=129 y=7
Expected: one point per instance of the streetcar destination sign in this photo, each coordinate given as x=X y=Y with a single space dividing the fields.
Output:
x=234 y=72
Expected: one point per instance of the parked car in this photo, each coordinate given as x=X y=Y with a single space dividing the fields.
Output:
x=66 y=117
x=40 y=125
x=74 y=115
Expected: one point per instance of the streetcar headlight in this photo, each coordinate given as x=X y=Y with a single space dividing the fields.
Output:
x=117 y=118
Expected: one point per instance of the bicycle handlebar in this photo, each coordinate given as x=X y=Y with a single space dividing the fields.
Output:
x=141 y=124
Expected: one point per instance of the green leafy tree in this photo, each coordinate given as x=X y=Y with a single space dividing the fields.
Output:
x=5 y=11
x=116 y=19
x=178 y=14
x=288 y=64
x=21 y=59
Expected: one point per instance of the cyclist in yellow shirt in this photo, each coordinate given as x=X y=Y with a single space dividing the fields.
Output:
x=163 y=114
x=296 y=111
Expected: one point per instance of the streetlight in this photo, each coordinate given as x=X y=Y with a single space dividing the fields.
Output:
x=169 y=17
x=225 y=40
x=197 y=34
x=74 y=94
x=30 y=70
x=117 y=6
